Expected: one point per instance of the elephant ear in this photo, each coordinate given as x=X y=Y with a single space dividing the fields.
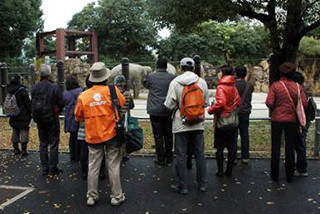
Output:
x=146 y=70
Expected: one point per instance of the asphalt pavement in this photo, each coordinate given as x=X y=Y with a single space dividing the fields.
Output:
x=147 y=189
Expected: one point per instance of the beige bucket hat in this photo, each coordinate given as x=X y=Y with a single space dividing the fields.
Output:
x=99 y=72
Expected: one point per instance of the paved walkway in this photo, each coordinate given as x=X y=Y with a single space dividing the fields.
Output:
x=249 y=190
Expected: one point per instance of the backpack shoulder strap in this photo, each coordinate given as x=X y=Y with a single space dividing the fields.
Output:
x=291 y=100
x=114 y=99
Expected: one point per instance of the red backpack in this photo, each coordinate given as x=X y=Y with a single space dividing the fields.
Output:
x=192 y=104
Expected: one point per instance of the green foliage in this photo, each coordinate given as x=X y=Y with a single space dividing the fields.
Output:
x=286 y=20
x=218 y=42
x=124 y=28
x=19 y=20
x=310 y=46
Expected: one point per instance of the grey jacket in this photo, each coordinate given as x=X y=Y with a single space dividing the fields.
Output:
x=158 y=85
x=172 y=101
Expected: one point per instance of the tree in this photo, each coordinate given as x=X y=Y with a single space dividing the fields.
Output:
x=19 y=20
x=240 y=43
x=124 y=28
x=287 y=20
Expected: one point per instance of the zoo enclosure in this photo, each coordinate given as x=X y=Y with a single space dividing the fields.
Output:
x=28 y=79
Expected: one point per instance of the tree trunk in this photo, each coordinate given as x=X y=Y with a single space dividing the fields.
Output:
x=288 y=54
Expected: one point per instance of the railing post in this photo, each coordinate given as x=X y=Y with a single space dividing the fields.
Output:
x=316 y=148
x=3 y=82
x=60 y=66
x=197 y=66
x=32 y=73
x=125 y=72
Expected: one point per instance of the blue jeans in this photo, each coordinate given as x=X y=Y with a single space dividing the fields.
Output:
x=244 y=134
x=301 y=150
x=197 y=140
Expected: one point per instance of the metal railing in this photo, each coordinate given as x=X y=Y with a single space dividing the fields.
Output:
x=316 y=148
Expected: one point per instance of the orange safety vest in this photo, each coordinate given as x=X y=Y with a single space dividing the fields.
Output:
x=94 y=106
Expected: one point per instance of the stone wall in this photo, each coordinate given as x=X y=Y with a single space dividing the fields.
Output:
x=310 y=68
x=73 y=66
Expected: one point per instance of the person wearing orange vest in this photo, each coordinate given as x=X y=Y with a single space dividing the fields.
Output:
x=95 y=108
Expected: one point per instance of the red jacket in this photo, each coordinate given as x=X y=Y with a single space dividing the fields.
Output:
x=279 y=102
x=227 y=97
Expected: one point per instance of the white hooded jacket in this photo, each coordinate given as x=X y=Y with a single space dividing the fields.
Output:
x=172 y=101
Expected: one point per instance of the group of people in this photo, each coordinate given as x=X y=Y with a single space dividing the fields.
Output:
x=176 y=106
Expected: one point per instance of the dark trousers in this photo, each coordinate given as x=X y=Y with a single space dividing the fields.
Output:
x=49 y=135
x=244 y=134
x=74 y=146
x=197 y=140
x=162 y=132
x=84 y=159
x=222 y=140
x=301 y=150
x=291 y=136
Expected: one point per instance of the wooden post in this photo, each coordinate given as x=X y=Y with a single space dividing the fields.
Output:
x=61 y=52
x=94 y=47
x=60 y=66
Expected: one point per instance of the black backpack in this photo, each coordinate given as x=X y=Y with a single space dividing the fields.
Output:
x=311 y=109
x=42 y=106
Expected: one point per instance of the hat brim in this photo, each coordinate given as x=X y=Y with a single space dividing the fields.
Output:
x=99 y=79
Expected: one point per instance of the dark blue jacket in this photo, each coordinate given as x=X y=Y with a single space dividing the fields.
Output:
x=158 y=85
x=21 y=121
x=54 y=92
x=70 y=101
x=245 y=106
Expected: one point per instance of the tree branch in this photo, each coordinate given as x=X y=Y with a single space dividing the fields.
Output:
x=246 y=10
x=308 y=6
x=310 y=28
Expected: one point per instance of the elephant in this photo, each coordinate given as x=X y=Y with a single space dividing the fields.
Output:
x=171 y=69
x=136 y=74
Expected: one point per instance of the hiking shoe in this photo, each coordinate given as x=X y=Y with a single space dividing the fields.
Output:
x=17 y=152
x=180 y=190
x=45 y=172
x=245 y=161
x=90 y=201
x=219 y=173
x=169 y=160
x=117 y=201
x=56 y=171
x=202 y=189
x=298 y=174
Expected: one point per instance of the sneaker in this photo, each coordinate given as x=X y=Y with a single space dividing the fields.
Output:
x=245 y=161
x=90 y=201
x=180 y=190
x=17 y=152
x=298 y=174
x=56 y=171
x=202 y=188
x=45 y=172
x=117 y=201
